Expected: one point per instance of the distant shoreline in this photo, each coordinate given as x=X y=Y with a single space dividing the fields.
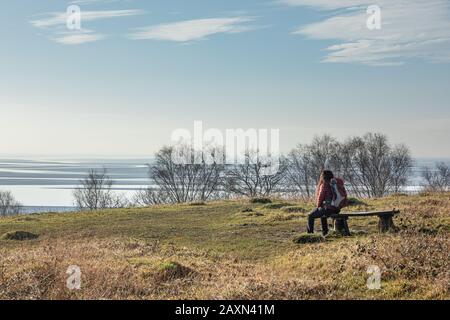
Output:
x=46 y=209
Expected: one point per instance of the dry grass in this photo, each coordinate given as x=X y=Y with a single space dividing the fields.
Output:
x=211 y=252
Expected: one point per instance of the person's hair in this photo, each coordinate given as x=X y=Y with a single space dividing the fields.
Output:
x=325 y=176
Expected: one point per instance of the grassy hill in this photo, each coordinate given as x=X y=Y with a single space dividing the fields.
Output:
x=227 y=250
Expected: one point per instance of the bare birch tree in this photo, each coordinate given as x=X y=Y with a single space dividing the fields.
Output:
x=251 y=178
x=149 y=196
x=95 y=192
x=8 y=204
x=436 y=179
x=195 y=179
x=306 y=162
x=373 y=167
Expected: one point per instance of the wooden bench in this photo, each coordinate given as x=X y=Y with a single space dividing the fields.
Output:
x=385 y=223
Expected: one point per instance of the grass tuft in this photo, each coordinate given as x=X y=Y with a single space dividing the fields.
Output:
x=294 y=209
x=356 y=202
x=19 y=235
x=308 y=238
x=197 y=203
x=274 y=206
x=260 y=200
x=170 y=270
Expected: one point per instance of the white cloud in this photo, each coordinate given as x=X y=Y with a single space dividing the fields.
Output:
x=56 y=19
x=190 y=30
x=327 y=4
x=86 y=2
x=55 y=23
x=410 y=29
x=78 y=38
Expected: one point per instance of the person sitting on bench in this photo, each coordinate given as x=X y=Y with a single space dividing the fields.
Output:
x=330 y=198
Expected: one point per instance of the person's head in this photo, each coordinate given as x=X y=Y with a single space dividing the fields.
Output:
x=325 y=176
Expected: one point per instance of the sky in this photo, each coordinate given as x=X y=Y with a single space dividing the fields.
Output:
x=138 y=70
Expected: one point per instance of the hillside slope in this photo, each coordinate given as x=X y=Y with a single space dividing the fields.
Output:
x=227 y=250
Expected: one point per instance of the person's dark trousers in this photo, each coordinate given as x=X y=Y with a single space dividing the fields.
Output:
x=323 y=214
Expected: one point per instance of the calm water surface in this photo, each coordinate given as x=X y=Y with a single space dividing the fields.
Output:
x=49 y=183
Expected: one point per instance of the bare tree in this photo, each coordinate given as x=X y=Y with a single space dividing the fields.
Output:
x=148 y=196
x=299 y=171
x=373 y=167
x=401 y=163
x=252 y=178
x=324 y=154
x=197 y=178
x=8 y=204
x=95 y=192
x=437 y=179
x=306 y=162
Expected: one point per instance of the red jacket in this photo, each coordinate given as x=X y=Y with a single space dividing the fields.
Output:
x=323 y=193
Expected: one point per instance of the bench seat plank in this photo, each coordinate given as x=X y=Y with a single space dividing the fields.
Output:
x=364 y=214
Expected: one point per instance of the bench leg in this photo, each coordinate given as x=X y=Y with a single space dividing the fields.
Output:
x=386 y=224
x=341 y=226
x=346 y=228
